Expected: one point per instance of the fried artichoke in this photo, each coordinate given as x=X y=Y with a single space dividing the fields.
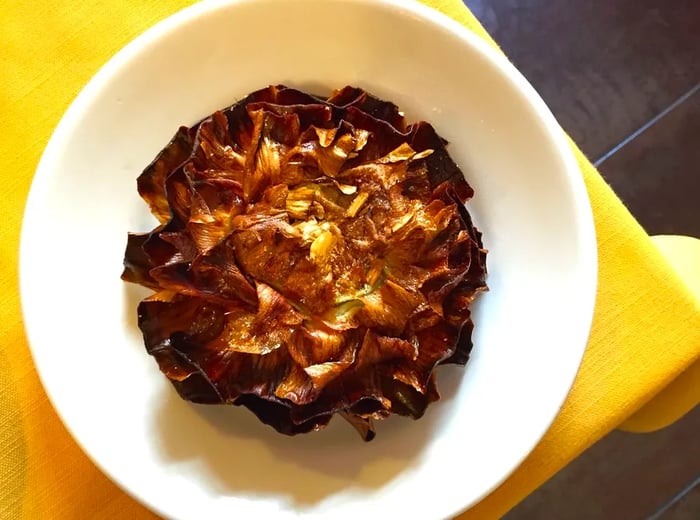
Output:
x=314 y=256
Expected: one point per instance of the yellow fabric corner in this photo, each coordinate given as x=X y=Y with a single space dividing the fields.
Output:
x=646 y=329
x=683 y=393
x=669 y=405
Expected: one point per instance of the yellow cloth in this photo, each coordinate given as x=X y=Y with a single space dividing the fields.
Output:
x=683 y=393
x=646 y=329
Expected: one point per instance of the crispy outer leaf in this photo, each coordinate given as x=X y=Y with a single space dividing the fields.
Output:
x=151 y=183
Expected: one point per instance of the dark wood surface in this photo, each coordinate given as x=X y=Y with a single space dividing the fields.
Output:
x=604 y=67
x=684 y=507
x=625 y=476
x=657 y=174
x=623 y=79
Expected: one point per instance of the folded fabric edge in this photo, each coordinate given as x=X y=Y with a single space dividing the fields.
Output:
x=683 y=393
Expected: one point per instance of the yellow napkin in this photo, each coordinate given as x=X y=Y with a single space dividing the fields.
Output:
x=683 y=393
x=646 y=329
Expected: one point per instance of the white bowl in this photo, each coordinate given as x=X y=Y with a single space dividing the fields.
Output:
x=192 y=462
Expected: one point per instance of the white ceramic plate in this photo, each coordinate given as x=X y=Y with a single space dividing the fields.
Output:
x=193 y=462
